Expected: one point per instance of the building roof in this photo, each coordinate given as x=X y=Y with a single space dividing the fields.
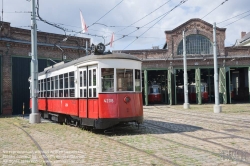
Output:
x=246 y=37
x=192 y=20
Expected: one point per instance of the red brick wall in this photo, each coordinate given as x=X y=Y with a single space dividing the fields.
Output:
x=11 y=48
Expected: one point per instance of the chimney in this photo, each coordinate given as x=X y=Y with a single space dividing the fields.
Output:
x=243 y=34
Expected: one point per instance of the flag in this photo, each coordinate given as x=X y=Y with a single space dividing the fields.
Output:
x=112 y=39
x=84 y=26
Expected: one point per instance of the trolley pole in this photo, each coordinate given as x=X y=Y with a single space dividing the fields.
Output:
x=217 y=107
x=34 y=116
x=186 y=104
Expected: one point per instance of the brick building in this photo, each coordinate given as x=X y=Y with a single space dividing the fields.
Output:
x=165 y=66
x=15 y=62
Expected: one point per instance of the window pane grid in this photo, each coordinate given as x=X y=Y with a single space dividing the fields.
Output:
x=196 y=44
x=58 y=86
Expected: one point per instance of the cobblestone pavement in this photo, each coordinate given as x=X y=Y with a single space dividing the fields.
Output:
x=168 y=136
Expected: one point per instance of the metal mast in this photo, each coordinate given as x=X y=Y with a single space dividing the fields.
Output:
x=34 y=116
x=217 y=107
x=186 y=104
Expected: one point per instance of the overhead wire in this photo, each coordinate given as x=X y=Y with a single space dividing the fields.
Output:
x=163 y=16
x=144 y=16
x=237 y=20
x=233 y=17
x=19 y=12
x=215 y=8
x=59 y=27
x=106 y=13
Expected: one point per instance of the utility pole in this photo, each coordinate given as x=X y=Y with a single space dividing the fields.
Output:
x=86 y=49
x=186 y=104
x=35 y=117
x=217 y=107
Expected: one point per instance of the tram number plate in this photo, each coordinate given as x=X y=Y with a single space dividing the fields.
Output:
x=108 y=100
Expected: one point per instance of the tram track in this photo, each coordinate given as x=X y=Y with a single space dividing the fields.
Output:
x=47 y=162
x=143 y=151
x=205 y=129
x=44 y=156
x=161 y=128
x=197 y=115
x=209 y=130
x=208 y=120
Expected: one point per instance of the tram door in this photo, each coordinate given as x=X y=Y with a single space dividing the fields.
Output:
x=88 y=96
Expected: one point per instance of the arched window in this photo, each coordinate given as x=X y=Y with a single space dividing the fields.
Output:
x=196 y=44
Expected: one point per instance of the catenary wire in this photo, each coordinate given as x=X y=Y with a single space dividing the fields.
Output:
x=144 y=16
x=106 y=13
x=182 y=2
x=163 y=15
x=233 y=17
x=237 y=20
x=214 y=8
x=59 y=27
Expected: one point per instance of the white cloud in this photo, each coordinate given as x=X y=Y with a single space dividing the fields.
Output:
x=129 y=11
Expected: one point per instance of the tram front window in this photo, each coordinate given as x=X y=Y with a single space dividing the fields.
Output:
x=107 y=79
x=124 y=79
x=154 y=90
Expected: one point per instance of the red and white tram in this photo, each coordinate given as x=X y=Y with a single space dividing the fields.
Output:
x=154 y=93
x=192 y=92
x=99 y=91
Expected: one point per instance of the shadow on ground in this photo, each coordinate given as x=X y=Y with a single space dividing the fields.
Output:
x=148 y=127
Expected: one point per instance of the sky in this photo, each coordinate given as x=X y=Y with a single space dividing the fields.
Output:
x=148 y=32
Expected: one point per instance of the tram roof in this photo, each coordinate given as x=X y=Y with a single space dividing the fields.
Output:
x=91 y=58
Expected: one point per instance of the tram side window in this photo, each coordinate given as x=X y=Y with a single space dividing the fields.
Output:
x=107 y=75
x=83 y=83
x=61 y=85
x=45 y=88
x=56 y=86
x=41 y=92
x=137 y=80
x=124 y=79
x=48 y=87
x=66 y=85
x=39 y=88
x=52 y=86
x=71 y=84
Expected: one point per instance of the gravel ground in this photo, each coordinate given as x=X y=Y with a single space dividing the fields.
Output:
x=169 y=135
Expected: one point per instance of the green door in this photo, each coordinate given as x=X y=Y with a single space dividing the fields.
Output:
x=249 y=82
x=170 y=101
x=228 y=85
x=146 y=86
x=20 y=83
x=222 y=86
x=1 y=84
x=171 y=87
x=198 y=86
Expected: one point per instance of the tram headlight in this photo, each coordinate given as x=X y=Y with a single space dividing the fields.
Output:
x=127 y=99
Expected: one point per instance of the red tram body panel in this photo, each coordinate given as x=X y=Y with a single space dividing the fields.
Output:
x=192 y=92
x=99 y=91
x=154 y=98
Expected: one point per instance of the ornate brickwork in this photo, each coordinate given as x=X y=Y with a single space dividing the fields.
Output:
x=195 y=26
x=163 y=58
